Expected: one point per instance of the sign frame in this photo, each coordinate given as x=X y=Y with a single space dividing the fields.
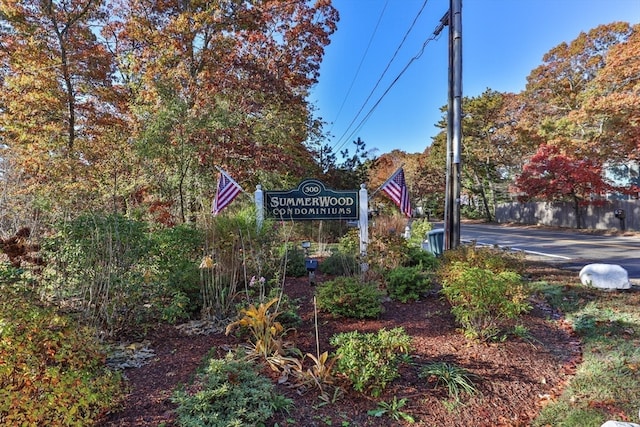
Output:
x=312 y=200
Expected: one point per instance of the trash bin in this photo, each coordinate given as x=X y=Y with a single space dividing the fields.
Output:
x=436 y=241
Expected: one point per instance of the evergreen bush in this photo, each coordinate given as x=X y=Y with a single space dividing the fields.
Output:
x=349 y=297
x=229 y=392
x=371 y=360
x=407 y=283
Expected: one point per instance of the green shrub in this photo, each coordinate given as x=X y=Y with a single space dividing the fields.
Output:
x=178 y=307
x=174 y=257
x=350 y=242
x=349 y=297
x=122 y=272
x=416 y=256
x=481 y=298
x=52 y=370
x=386 y=251
x=296 y=266
x=407 y=283
x=339 y=264
x=419 y=229
x=101 y=261
x=371 y=360
x=229 y=392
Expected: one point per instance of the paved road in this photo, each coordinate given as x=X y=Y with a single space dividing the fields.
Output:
x=565 y=248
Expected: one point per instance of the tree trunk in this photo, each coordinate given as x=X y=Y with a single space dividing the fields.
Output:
x=483 y=196
x=576 y=207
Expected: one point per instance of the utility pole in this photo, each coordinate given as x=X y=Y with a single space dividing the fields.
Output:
x=454 y=128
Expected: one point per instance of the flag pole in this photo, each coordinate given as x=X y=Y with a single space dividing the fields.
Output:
x=387 y=181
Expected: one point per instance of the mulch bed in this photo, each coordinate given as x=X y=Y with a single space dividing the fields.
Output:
x=515 y=378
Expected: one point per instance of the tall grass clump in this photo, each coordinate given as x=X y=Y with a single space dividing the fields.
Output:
x=236 y=251
x=456 y=379
x=97 y=264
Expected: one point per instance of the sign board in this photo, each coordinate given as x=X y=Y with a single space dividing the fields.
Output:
x=312 y=200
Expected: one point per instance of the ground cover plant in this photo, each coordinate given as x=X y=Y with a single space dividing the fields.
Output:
x=456 y=379
x=229 y=392
x=52 y=369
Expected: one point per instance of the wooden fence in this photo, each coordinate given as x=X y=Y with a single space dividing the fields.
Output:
x=562 y=214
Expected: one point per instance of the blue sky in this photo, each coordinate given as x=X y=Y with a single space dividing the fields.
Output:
x=503 y=40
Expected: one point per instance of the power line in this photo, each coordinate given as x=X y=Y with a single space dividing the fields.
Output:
x=434 y=36
x=339 y=144
x=372 y=109
x=359 y=65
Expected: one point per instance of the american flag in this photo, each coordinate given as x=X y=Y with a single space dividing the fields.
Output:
x=396 y=189
x=226 y=191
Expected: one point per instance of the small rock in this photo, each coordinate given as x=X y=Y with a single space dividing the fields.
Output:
x=619 y=424
x=605 y=276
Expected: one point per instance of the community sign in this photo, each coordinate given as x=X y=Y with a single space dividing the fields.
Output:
x=312 y=200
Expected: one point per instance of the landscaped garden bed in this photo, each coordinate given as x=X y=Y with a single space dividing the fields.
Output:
x=514 y=378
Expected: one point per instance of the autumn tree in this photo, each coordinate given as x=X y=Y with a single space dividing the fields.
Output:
x=58 y=102
x=221 y=83
x=425 y=175
x=381 y=169
x=490 y=150
x=611 y=106
x=559 y=90
x=552 y=175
